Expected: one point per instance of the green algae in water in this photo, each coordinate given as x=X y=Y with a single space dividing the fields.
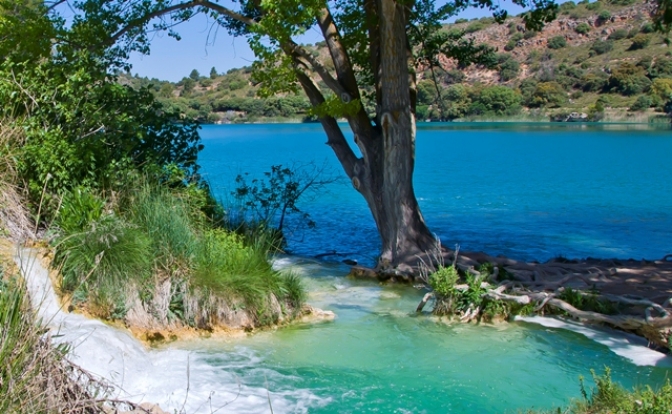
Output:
x=379 y=357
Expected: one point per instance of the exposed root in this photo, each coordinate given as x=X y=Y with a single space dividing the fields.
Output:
x=546 y=286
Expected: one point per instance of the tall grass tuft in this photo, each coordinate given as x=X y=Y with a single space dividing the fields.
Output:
x=107 y=253
x=226 y=265
x=169 y=222
x=35 y=377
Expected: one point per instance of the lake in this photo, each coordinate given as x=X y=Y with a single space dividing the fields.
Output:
x=527 y=191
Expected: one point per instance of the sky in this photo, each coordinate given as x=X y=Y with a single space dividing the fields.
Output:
x=204 y=46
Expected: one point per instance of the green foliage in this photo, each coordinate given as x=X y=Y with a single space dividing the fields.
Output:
x=548 y=94
x=618 y=34
x=661 y=90
x=600 y=47
x=594 y=81
x=642 y=103
x=443 y=280
x=337 y=107
x=497 y=100
x=269 y=200
x=557 y=42
x=629 y=79
x=105 y=254
x=647 y=28
x=587 y=302
x=170 y=222
x=582 y=28
x=640 y=41
x=508 y=68
x=603 y=16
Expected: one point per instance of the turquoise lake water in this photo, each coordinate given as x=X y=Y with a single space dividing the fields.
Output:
x=527 y=191
x=530 y=192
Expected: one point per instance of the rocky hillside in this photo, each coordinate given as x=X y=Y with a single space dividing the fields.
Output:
x=600 y=60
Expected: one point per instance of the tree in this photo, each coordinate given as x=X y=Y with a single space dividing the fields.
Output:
x=372 y=43
x=82 y=127
x=195 y=75
x=213 y=73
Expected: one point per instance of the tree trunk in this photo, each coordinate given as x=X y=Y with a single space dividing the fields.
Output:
x=388 y=186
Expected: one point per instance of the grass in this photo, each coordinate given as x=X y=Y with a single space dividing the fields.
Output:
x=35 y=377
x=109 y=253
x=608 y=397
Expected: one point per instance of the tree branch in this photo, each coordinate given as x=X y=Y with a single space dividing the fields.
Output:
x=335 y=138
x=176 y=7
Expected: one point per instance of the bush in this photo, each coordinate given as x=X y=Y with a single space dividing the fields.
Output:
x=642 y=103
x=454 y=76
x=557 y=42
x=640 y=41
x=647 y=27
x=618 y=34
x=594 y=81
x=582 y=28
x=603 y=16
x=629 y=79
x=508 y=69
x=548 y=94
x=596 y=5
x=497 y=100
x=600 y=47
x=475 y=27
x=529 y=34
x=510 y=45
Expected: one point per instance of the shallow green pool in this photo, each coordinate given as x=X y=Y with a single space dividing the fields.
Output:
x=378 y=356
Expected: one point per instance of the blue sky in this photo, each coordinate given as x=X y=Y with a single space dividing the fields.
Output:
x=204 y=46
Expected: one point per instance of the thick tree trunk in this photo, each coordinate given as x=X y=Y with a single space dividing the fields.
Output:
x=389 y=188
x=384 y=174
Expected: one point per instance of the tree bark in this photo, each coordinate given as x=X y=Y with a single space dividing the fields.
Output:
x=389 y=188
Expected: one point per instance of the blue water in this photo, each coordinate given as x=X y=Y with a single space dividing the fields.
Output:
x=528 y=191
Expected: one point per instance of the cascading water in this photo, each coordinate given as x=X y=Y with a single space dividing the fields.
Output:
x=176 y=379
x=376 y=356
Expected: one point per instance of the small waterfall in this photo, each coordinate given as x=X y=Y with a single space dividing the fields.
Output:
x=176 y=379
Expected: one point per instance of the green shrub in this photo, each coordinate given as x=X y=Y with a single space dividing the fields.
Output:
x=603 y=16
x=596 y=5
x=518 y=36
x=618 y=34
x=582 y=28
x=529 y=34
x=594 y=81
x=640 y=41
x=647 y=27
x=629 y=79
x=510 y=45
x=548 y=94
x=169 y=222
x=600 y=47
x=557 y=42
x=508 y=69
x=608 y=397
x=475 y=27
x=642 y=103
x=454 y=76
x=443 y=280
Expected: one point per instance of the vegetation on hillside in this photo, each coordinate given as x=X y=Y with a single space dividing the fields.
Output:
x=110 y=175
x=600 y=58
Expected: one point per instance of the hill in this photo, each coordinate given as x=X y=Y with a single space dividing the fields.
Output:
x=600 y=60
